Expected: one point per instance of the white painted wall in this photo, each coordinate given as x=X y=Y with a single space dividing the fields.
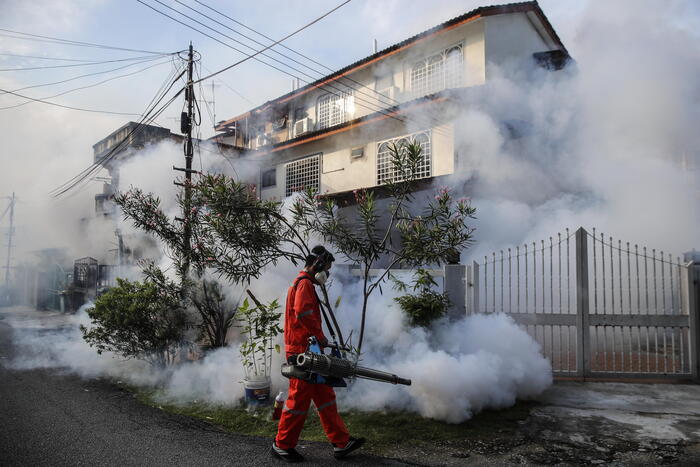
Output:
x=511 y=39
x=340 y=172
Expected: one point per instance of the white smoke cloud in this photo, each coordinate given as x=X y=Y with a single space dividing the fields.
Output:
x=606 y=144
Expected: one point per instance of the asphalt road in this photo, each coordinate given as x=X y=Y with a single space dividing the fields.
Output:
x=53 y=419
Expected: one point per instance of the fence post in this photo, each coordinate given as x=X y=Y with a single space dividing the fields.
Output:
x=455 y=286
x=475 y=282
x=583 y=364
x=470 y=290
x=690 y=290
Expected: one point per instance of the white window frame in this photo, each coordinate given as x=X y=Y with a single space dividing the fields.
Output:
x=303 y=171
x=385 y=169
x=435 y=73
x=340 y=107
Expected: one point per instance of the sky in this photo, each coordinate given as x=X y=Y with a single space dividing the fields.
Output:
x=44 y=145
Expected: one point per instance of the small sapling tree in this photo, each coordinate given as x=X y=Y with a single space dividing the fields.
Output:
x=259 y=325
x=430 y=234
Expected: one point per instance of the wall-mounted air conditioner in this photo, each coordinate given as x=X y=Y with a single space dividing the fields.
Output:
x=261 y=140
x=389 y=96
x=303 y=126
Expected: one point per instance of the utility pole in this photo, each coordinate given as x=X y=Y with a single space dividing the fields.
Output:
x=186 y=127
x=9 y=242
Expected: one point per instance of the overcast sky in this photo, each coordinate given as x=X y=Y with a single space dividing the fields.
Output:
x=44 y=145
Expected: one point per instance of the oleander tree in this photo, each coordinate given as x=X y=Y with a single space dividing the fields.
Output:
x=234 y=241
x=407 y=232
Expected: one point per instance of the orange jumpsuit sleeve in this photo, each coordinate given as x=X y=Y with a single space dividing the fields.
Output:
x=307 y=309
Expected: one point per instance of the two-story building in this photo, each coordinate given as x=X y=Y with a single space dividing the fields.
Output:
x=116 y=148
x=333 y=134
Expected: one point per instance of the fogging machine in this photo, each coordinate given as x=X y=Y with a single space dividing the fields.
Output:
x=316 y=367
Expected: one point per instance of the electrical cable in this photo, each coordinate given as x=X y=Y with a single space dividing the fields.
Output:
x=230 y=87
x=358 y=89
x=80 y=178
x=76 y=43
x=146 y=117
x=67 y=106
x=211 y=117
x=342 y=92
x=297 y=70
x=277 y=42
x=391 y=101
x=83 y=76
x=149 y=57
x=89 y=85
x=45 y=58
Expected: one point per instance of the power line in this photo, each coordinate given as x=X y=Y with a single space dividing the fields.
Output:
x=390 y=99
x=90 y=85
x=45 y=58
x=149 y=57
x=370 y=105
x=232 y=89
x=66 y=106
x=87 y=173
x=146 y=118
x=383 y=99
x=37 y=37
x=85 y=75
x=276 y=42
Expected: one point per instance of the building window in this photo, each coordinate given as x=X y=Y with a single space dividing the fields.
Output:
x=386 y=171
x=334 y=109
x=269 y=178
x=437 y=72
x=303 y=174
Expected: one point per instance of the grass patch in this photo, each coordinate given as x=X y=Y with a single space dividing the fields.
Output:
x=386 y=430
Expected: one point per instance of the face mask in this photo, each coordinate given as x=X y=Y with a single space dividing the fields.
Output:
x=321 y=277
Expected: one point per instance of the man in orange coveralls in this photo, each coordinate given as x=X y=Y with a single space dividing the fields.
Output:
x=302 y=320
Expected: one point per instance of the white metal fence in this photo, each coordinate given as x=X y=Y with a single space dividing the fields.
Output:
x=597 y=306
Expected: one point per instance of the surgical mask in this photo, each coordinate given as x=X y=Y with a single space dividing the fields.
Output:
x=321 y=277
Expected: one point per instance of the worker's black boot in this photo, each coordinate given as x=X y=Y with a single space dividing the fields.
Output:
x=287 y=455
x=353 y=444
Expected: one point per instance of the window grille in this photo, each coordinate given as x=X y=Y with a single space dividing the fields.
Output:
x=437 y=72
x=303 y=174
x=334 y=109
x=386 y=171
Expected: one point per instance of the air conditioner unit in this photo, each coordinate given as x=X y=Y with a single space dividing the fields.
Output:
x=261 y=140
x=303 y=126
x=389 y=96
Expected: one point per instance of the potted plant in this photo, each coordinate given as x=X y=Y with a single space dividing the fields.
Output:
x=259 y=324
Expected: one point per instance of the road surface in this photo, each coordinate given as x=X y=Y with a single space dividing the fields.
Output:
x=49 y=418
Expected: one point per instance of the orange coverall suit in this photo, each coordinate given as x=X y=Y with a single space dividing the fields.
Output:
x=302 y=320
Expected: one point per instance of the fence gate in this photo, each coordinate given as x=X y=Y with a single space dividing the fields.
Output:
x=597 y=306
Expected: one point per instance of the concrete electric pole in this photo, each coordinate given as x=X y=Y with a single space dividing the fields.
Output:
x=186 y=122
x=9 y=242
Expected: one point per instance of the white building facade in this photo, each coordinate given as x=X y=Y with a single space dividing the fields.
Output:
x=333 y=134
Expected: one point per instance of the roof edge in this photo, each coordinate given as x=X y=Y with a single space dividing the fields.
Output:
x=484 y=11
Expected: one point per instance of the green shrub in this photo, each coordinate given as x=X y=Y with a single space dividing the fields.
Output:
x=427 y=305
x=137 y=320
